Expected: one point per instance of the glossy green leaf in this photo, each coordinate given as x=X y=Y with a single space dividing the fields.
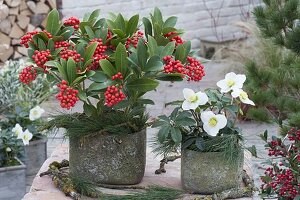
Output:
x=176 y=135
x=90 y=32
x=152 y=45
x=107 y=67
x=163 y=133
x=99 y=86
x=53 y=22
x=170 y=22
x=168 y=49
x=142 y=85
x=82 y=96
x=41 y=44
x=50 y=45
x=120 y=22
x=154 y=64
x=89 y=52
x=169 y=77
x=132 y=25
x=99 y=77
x=71 y=70
x=142 y=54
x=89 y=110
x=147 y=26
x=121 y=59
x=182 y=51
x=94 y=16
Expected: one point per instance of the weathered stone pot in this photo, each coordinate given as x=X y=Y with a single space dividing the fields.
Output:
x=12 y=182
x=109 y=159
x=35 y=155
x=209 y=172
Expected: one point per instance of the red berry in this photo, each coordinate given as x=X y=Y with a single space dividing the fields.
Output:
x=27 y=38
x=72 y=21
x=113 y=95
x=173 y=37
x=134 y=39
x=98 y=54
x=195 y=70
x=41 y=57
x=67 y=95
x=67 y=53
x=27 y=75
x=117 y=76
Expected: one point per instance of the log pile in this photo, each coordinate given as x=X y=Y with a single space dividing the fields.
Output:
x=16 y=18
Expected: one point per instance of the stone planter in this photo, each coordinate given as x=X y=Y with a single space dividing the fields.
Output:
x=209 y=172
x=12 y=182
x=109 y=159
x=35 y=155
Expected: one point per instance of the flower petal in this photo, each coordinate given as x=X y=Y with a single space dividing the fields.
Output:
x=222 y=121
x=213 y=131
x=187 y=93
x=240 y=80
x=186 y=105
x=236 y=93
x=202 y=98
x=206 y=116
x=230 y=75
x=247 y=101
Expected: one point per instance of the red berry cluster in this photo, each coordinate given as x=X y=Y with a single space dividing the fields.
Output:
x=47 y=33
x=134 y=39
x=27 y=75
x=72 y=21
x=60 y=44
x=27 y=38
x=67 y=95
x=195 y=70
x=113 y=95
x=41 y=57
x=173 y=66
x=68 y=53
x=117 y=76
x=294 y=134
x=173 y=37
x=283 y=182
x=281 y=178
x=98 y=54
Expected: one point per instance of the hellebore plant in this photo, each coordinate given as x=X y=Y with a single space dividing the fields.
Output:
x=205 y=121
x=109 y=64
x=282 y=177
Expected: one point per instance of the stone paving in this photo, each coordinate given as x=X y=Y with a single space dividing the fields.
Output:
x=172 y=91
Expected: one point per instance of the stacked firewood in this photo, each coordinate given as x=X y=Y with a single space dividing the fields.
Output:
x=16 y=18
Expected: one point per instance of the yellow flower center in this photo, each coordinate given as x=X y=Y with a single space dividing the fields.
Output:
x=213 y=121
x=35 y=112
x=244 y=95
x=25 y=137
x=230 y=83
x=193 y=98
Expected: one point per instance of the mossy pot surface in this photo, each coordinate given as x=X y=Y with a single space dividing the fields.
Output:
x=114 y=159
x=209 y=172
x=12 y=182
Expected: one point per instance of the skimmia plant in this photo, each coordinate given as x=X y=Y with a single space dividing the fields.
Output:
x=205 y=121
x=110 y=60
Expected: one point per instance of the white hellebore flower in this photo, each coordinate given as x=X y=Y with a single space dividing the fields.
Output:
x=193 y=100
x=213 y=123
x=243 y=96
x=35 y=113
x=232 y=81
x=17 y=130
x=26 y=136
x=8 y=149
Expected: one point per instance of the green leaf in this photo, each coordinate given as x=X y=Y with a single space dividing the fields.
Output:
x=89 y=52
x=264 y=136
x=52 y=63
x=163 y=133
x=142 y=85
x=132 y=25
x=107 y=67
x=169 y=77
x=252 y=150
x=79 y=79
x=152 y=45
x=170 y=22
x=176 y=135
x=111 y=24
x=94 y=16
x=154 y=64
x=53 y=23
x=142 y=53
x=120 y=22
x=146 y=101
x=89 y=110
x=50 y=45
x=90 y=32
x=67 y=32
x=121 y=59
x=71 y=70
x=99 y=77
x=185 y=122
x=182 y=51
x=148 y=26
x=158 y=16
x=41 y=44
x=82 y=96
x=200 y=143
x=168 y=49
x=63 y=69
x=99 y=86
x=119 y=32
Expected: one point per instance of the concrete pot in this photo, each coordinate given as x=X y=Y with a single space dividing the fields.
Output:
x=35 y=155
x=209 y=172
x=109 y=159
x=12 y=182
